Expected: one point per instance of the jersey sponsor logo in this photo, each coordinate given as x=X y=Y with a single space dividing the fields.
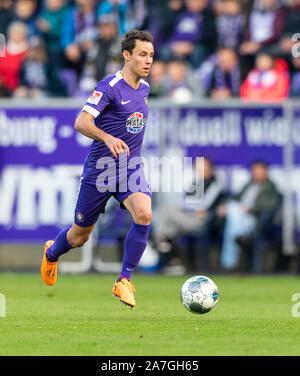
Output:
x=136 y=122
x=125 y=102
x=95 y=97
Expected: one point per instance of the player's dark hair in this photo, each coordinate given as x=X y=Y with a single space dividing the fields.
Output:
x=129 y=41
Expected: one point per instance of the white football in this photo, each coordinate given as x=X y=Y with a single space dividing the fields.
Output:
x=199 y=294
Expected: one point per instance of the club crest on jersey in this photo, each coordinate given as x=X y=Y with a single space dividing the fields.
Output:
x=95 y=97
x=136 y=122
x=79 y=217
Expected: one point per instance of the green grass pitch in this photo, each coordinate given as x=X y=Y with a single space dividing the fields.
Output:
x=79 y=316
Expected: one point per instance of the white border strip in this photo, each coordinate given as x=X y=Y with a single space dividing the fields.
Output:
x=90 y=110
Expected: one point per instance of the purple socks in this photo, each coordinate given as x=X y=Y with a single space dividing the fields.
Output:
x=135 y=244
x=59 y=247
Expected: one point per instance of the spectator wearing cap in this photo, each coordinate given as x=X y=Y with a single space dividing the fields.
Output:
x=116 y=7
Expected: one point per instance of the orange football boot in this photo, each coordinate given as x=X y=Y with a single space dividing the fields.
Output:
x=125 y=291
x=48 y=269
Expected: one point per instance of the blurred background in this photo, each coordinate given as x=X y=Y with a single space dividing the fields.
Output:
x=225 y=86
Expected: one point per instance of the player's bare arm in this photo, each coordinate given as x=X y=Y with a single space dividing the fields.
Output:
x=85 y=125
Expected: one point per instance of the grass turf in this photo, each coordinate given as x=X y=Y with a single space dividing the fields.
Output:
x=79 y=316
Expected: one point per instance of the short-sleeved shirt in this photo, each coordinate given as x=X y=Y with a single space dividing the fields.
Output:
x=121 y=111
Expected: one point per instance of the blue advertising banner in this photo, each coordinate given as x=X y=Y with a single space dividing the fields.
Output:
x=41 y=156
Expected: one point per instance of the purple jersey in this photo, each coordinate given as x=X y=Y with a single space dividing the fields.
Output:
x=120 y=111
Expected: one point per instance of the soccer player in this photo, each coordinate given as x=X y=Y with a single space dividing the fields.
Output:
x=114 y=116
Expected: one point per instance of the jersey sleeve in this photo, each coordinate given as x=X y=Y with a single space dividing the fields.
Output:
x=98 y=100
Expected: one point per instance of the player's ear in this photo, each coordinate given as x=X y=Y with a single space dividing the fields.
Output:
x=126 y=55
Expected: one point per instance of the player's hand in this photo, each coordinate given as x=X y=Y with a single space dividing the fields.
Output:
x=116 y=145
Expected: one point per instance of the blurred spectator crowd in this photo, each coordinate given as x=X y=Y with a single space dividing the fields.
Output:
x=241 y=226
x=204 y=48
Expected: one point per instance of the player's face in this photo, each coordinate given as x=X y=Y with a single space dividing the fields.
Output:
x=141 y=59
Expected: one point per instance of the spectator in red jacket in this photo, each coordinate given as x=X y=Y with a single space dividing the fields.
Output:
x=267 y=82
x=15 y=52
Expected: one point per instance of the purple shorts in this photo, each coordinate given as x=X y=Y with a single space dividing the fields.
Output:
x=92 y=197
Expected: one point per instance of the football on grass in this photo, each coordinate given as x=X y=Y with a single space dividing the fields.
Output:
x=199 y=294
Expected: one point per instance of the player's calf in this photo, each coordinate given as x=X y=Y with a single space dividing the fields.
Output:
x=78 y=236
x=79 y=240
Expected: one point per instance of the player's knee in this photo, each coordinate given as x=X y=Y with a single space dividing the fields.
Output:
x=143 y=217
